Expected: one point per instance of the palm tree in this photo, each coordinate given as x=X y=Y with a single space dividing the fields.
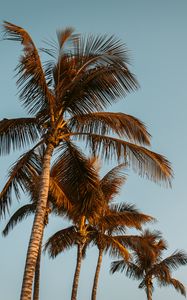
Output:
x=97 y=228
x=115 y=218
x=66 y=98
x=147 y=264
x=58 y=201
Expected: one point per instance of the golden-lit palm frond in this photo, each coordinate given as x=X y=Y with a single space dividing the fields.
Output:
x=88 y=77
x=131 y=270
x=172 y=262
x=111 y=245
x=130 y=220
x=94 y=89
x=18 y=133
x=147 y=163
x=106 y=123
x=64 y=36
x=124 y=214
x=78 y=179
x=27 y=167
x=57 y=195
x=62 y=240
x=176 y=284
x=34 y=91
x=111 y=183
x=18 y=216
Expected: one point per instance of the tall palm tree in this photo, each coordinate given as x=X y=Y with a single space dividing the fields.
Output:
x=58 y=201
x=147 y=264
x=66 y=98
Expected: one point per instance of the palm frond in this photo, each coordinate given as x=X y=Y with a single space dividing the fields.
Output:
x=131 y=270
x=111 y=245
x=78 y=179
x=34 y=91
x=124 y=215
x=18 y=133
x=61 y=240
x=147 y=163
x=57 y=195
x=178 y=286
x=111 y=183
x=21 y=173
x=22 y=213
x=172 y=262
x=108 y=123
x=64 y=36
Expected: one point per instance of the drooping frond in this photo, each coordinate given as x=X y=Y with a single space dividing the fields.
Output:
x=34 y=91
x=107 y=123
x=18 y=216
x=111 y=220
x=131 y=270
x=147 y=163
x=172 y=262
x=27 y=167
x=177 y=285
x=111 y=245
x=18 y=133
x=111 y=183
x=61 y=240
x=78 y=179
x=57 y=195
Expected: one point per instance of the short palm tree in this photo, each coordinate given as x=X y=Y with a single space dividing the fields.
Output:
x=98 y=228
x=66 y=98
x=147 y=264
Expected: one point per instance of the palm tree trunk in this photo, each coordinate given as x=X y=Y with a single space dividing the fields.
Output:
x=37 y=274
x=97 y=272
x=149 y=291
x=77 y=272
x=38 y=227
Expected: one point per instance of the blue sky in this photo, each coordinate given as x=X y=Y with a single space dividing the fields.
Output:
x=155 y=34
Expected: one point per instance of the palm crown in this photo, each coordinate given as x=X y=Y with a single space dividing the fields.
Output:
x=147 y=263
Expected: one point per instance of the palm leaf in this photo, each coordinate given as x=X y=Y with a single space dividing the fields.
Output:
x=21 y=173
x=61 y=240
x=172 y=262
x=110 y=244
x=57 y=195
x=106 y=123
x=78 y=179
x=150 y=164
x=34 y=91
x=18 y=216
x=178 y=286
x=18 y=133
x=131 y=270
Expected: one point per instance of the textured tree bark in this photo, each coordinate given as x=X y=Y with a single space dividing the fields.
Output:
x=38 y=227
x=36 y=290
x=77 y=272
x=97 y=272
x=149 y=291
x=37 y=277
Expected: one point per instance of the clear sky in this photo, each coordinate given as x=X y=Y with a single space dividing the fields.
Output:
x=155 y=32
